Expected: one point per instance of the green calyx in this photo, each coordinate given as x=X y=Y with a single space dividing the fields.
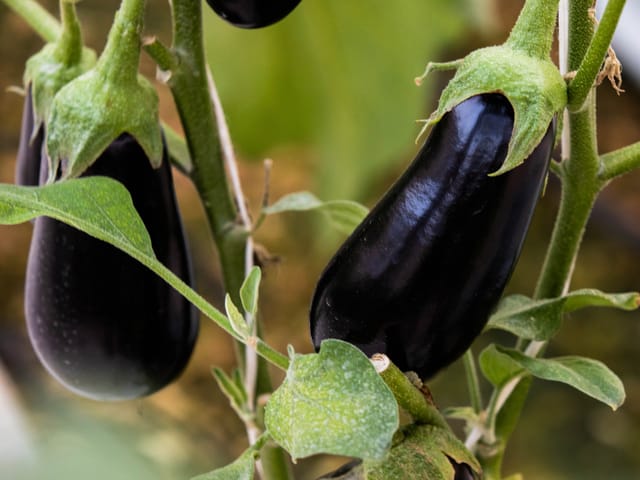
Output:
x=533 y=86
x=93 y=110
x=521 y=70
x=57 y=63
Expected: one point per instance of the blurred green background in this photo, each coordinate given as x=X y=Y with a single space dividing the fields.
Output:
x=328 y=95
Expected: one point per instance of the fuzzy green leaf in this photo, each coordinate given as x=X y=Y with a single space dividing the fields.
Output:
x=589 y=297
x=498 y=367
x=97 y=205
x=238 y=322
x=541 y=319
x=589 y=376
x=232 y=390
x=242 y=468
x=249 y=291
x=333 y=402
x=426 y=451
x=344 y=215
x=527 y=318
x=461 y=413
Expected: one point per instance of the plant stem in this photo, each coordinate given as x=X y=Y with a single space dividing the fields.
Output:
x=472 y=381
x=189 y=84
x=407 y=394
x=580 y=170
x=69 y=44
x=45 y=24
x=590 y=66
x=533 y=31
x=620 y=161
x=119 y=60
x=581 y=184
x=580 y=189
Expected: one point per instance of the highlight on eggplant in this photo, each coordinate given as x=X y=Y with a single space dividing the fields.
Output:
x=253 y=13
x=419 y=277
x=101 y=323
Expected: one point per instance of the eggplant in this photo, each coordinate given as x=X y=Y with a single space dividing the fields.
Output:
x=419 y=277
x=463 y=471
x=101 y=323
x=252 y=13
x=30 y=147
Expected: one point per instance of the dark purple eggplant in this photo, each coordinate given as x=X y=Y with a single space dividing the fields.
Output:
x=420 y=275
x=252 y=13
x=101 y=323
x=463 y=471
x=30 y=148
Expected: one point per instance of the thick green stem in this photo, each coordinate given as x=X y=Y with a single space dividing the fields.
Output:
x=37 y=17
x=580 y=189
x=189 y=85
x=69 y=45
x=590 y=66
x=120 y=58
x=580 y=170
x=533 y=31
x=619 y=162
x=581 y=184
x=407 y=394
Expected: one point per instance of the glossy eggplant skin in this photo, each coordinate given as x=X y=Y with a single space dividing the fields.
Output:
x=30 y=147
x=420 y=275
x=253 y=13
x=101 y=323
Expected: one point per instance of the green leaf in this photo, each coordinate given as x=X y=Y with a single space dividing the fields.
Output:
x=541 y=319
x=498 y=367
x=178 y=150
x=97 y=205
x=249 y=291
x=242 y=468
x=235 y=393
x=426 y=451
x=102 y=208
x=333 y=402
x=589 y=376
x=345 y=215
x=236 y=318
x=236 y=376
x=527 y=318
x=589 y=297
x=462 y=413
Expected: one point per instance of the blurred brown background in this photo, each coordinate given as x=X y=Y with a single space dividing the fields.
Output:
x=328 y=95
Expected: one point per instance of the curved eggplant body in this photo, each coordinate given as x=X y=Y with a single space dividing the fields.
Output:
x=103 y=324
x=30 y=148
x=253 y=13
x=420 y=275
